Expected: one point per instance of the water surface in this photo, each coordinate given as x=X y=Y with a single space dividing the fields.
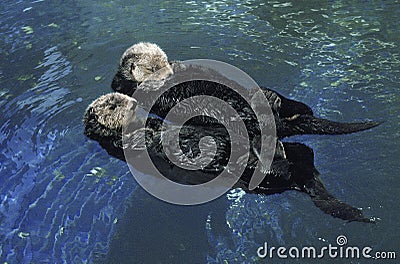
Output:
x=64 y=200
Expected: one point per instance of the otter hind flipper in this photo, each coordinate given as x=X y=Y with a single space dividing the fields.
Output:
x=307 y=124
x=333 y=206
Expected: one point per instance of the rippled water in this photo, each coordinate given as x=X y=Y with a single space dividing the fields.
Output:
x=63 y=199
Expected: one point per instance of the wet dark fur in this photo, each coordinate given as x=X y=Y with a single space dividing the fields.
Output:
x=295 y=171
x=291 y=117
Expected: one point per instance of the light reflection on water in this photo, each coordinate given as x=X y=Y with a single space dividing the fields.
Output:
x=340 y=57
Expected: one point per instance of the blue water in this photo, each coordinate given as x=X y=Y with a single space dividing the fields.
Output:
x=64 y=200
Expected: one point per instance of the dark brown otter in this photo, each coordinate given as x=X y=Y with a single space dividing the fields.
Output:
x=144 y=68
x=292 y=167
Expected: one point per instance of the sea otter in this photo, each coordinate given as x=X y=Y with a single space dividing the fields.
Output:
x=144 y=67
x=292 y=167
x=139 y=63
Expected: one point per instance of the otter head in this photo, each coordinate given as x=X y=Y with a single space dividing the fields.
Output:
x=141 y=62
x=106 y=116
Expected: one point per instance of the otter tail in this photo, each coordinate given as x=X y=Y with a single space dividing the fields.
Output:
x=331 y=205
x=308 y=124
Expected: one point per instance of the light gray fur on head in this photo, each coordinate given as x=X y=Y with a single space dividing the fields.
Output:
x=106 y=115
x=140 y=61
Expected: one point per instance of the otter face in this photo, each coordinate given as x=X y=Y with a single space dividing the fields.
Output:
x=105 y=116
x=140 y=62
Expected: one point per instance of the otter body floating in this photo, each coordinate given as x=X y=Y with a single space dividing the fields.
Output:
x=144 y=67
x=292 y=167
